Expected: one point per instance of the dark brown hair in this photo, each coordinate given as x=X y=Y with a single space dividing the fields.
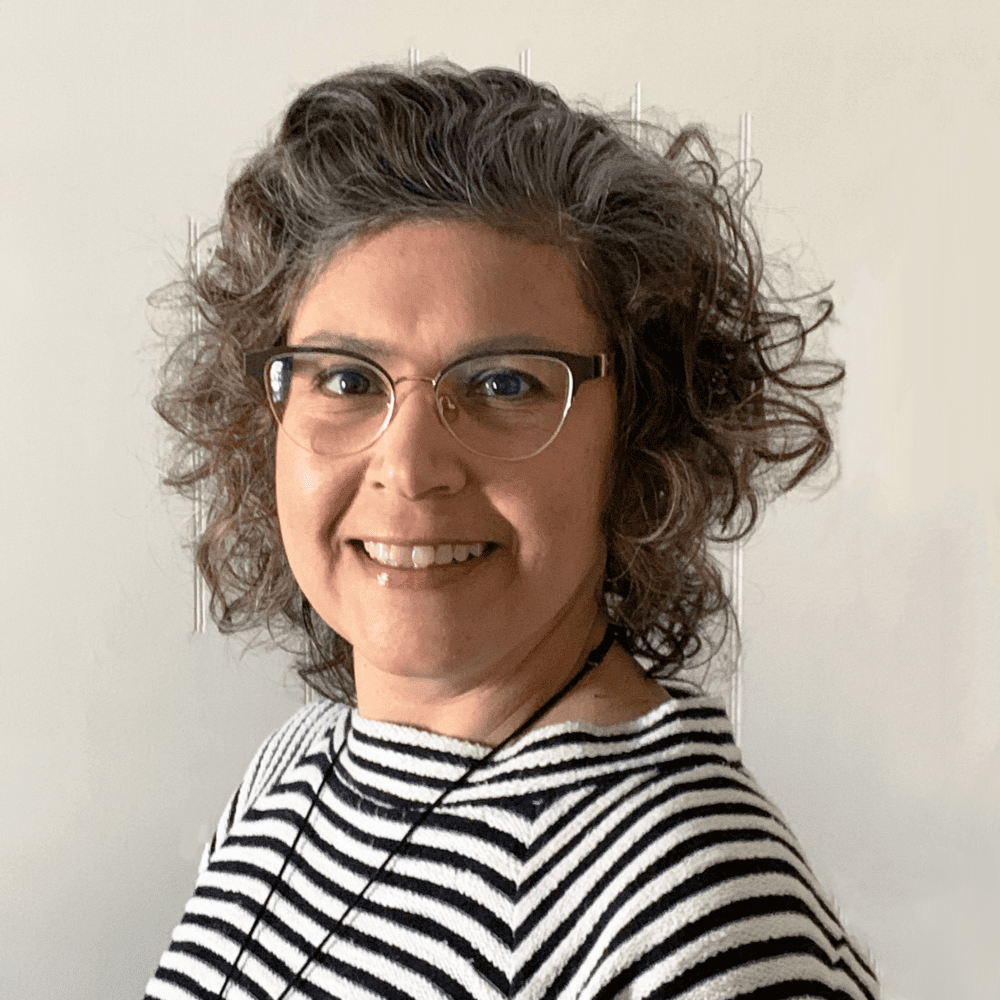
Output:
x=716 y=404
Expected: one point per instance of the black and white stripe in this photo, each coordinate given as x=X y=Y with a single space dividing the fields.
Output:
x=580 y=863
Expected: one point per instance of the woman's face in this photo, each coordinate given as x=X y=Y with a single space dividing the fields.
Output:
x=416 y=297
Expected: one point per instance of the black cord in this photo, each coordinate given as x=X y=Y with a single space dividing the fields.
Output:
x=248 y=937
x=594 y=657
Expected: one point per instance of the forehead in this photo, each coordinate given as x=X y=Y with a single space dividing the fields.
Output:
x=446 y=287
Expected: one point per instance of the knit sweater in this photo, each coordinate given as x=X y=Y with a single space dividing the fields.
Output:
x=582 y=862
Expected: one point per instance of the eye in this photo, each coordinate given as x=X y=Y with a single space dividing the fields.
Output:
x=348 y=381
x=503 y=383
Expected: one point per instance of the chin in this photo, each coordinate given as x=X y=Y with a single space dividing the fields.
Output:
x=433 y=648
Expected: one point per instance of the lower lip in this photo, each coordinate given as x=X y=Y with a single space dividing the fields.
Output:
x=427 y=578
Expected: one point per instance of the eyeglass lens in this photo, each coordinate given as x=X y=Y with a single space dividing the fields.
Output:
x=502 y=406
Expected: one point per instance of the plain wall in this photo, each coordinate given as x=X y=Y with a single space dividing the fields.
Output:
x=871 y=695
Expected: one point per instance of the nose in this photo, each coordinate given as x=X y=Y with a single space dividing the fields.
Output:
x=416 y=455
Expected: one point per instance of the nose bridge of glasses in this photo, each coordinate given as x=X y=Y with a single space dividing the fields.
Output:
x=442 y=404
x=415 y=378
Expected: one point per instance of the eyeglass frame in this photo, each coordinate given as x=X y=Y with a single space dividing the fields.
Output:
x=582 y=368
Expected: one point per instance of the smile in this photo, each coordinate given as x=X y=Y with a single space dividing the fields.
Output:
x=422 y=556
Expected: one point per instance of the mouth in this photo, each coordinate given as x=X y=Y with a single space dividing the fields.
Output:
x=422 y=556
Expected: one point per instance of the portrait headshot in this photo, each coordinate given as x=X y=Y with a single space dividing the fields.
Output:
x=521 y=492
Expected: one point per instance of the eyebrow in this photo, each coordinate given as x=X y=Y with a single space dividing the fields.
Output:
x=347 y=342
x=381 y=351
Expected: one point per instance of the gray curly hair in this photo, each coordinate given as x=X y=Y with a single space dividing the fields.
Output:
x=717 y=406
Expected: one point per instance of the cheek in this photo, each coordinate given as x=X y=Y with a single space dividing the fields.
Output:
x=293 y=480
x=556 y=512
x=310 y=498
x=296 y=477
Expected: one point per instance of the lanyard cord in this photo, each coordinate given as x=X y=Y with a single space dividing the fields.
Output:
x=594 y=657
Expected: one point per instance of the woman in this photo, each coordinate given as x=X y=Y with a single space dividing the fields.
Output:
x=479 y=377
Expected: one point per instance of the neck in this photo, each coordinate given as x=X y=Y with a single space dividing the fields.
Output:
x=484 y=703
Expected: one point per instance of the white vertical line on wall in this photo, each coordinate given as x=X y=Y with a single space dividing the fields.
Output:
x=414 y=58
x=745 y=154
x=198 y=512
x=635 y=108
x=524 y=62
x=736 y=594
x=736 y=554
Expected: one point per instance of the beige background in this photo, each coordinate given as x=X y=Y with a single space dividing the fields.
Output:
x=871 y=696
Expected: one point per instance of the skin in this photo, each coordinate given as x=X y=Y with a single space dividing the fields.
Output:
x=471 y=649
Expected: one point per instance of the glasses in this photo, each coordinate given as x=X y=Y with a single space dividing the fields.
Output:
x=507 y=406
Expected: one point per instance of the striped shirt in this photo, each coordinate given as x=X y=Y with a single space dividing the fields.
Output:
x=582 y=862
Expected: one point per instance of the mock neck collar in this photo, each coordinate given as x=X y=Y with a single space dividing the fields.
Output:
x=401 y=764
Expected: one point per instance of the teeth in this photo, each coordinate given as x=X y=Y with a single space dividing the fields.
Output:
x=422 y=556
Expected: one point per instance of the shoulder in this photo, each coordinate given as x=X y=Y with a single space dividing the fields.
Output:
x=289 y=743
x=307 y=730
x=712 y=891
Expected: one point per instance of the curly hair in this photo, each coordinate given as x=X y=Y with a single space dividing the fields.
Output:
x=717 y=400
